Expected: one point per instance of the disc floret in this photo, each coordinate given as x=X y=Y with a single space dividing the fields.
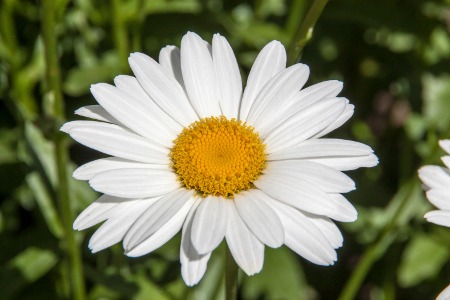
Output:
x=217 y=156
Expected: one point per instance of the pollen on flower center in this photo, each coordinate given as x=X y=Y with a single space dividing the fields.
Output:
x=217 y=156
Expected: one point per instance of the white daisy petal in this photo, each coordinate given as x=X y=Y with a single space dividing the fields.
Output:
x=348 y=163
x=439 y=217
x=163 y=88
x=135 y=183
x=319 y=148
x=445 y=145
x=303 y=195
x=131 y=86
x=302 y=100
x=320 y=91
x=96 y=112
x=435 y=176
x=247 y=250
x=193 y=264
x=306 y=196
x=228 y=77
x=260 y=218
x=164 y=233
x=199 y=76
x=446 y=161
x=329 y=230
x=440 y=198
x=117 y=141
x=156 y=216
x=89 y=170
x=345 y=115
x=270 y=61
x=112 y=231
x=445 y=294
x=169 y=59
x=209 y=224
x=329 y=179
x=138 y=115
x=304 y=124
x=344 y=211
x=277 y=96
x=102 y=209
x=303 y=237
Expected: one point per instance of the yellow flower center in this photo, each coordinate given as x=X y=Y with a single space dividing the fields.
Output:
x=217 y=156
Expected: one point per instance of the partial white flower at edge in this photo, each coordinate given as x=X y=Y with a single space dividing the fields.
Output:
x=193 y=150
x=436 y=181
x=445 y=294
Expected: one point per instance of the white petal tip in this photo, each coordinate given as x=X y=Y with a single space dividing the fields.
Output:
x=96 y=86
x=348 y=218
x=133 y=56
x=190 y=281
x=445 y=145
x=203 y=251
x=77 y=176
x=130 y=253
x=66 y=127
x=338 y=82
x=93 y=246
x=80 y=111
x=276 y=245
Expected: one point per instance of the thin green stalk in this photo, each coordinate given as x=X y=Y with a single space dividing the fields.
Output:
x=54 y=89
x=297 y=13
x=376 y=250
x=120 y=33
x=231 y=276
x=304 y=32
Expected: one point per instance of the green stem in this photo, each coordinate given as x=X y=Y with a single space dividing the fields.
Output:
x=297 y=13
x=120 y=34
x=376 y=250
x=54 y=88
x=231 y=276
x=304 y=32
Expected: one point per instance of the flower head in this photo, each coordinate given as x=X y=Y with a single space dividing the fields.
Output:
x=437 y=183
x=191 y=149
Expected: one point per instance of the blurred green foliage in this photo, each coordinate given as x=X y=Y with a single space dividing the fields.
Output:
x=394 y=59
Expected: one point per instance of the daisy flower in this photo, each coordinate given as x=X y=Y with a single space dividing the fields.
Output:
x=191 y=150
x=437 y=183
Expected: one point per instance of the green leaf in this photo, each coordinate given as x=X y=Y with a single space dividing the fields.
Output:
x=41 y=150
x=80 y=79
x=436 y=100
x=42 y=156
x=45 y=203
x=423 y=258
x=24 y=269
x=171 y=6
x=415 y=126
x=148 y=289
